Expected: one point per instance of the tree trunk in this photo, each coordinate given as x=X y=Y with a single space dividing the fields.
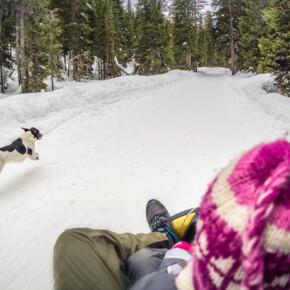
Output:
x=1 y=60
x=52 y=74
x=159 y=62
x=75 y=66
x=100 y=69
x=68 y=64
x=194 y=64
x=52 y=57
x=18 y=61
x=24 y=72
x=1 y=24
x=64 y=59
x=2 y=80
x=188 y=60
x=232 y=40
x=52 y=82
x=106 y=66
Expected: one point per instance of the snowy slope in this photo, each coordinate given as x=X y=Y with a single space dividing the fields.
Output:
x=109 y=146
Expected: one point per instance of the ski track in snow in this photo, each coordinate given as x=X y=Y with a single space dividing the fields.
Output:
x=110 y=146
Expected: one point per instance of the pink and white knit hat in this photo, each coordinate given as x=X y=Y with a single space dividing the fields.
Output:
x=243 y=232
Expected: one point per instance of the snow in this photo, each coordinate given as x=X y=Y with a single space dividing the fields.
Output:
x=129 y=70
x=109 y=146
x=89 y=5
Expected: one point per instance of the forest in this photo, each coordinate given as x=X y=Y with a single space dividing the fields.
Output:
x=96 y=39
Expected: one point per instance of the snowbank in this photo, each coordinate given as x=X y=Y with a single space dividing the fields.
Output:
x=261 y=90
x=25 y=107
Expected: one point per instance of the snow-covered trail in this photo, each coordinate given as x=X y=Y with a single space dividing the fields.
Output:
x=99 y=168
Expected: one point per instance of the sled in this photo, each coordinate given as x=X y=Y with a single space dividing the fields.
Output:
x=184 y=224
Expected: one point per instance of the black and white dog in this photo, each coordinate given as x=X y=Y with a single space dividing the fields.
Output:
x=21 y=148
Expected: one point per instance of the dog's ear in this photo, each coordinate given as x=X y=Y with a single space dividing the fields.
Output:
x=25 y=129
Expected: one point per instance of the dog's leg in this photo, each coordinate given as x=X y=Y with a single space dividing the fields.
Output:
x=34 y=156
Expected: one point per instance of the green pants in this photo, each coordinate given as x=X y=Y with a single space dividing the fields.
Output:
x=96 y=259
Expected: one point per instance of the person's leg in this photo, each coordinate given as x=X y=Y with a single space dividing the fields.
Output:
x=164 y=278
x=147 y=260
x=94 y=259
x=143 y=262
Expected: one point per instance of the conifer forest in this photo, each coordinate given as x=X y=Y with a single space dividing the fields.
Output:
x=96 y=39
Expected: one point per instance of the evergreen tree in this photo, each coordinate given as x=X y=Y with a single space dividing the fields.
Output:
x=79 y=43
x=99 y=31
x=152 y=38
x=251 y=29
x=37 y=38
x=275 y=46
x=75 y=16
x=92 y=17
x=53 y=47
x=111 y=67
x=186 y=17
x=201 y=44
x=130 y=31
x=209 y=44
x=226 y=26
x=105 y=37
x=7 y=39
x=62 y=8
x=198 y=49
x=120 y=36
x=182 y=33
x=33 y=45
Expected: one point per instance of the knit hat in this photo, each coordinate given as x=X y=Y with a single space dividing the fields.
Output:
x=243 y=231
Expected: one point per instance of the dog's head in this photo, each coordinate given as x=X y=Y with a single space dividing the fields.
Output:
x=35 y=132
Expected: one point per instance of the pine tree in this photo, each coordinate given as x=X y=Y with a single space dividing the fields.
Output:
x=130 y=31
x=105 y=39
x=53 y=47
x=79 y=43
x=38 y=44
x=99 y=32
x=209 y=44
x=120 y=36
x=186 y=18
x=152 y=38
x=275 y=46
x=33 y=45
x=111 y=67
x=76 y=34
x=142 y=43
x=201 y=44
x=182 y=33
x=226 y=17
x=251 y=29
x=7 y=39
x=63 y=10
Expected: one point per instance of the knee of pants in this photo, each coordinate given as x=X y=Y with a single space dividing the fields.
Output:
x=81 y=262
x=67 y=244
x=64 y=240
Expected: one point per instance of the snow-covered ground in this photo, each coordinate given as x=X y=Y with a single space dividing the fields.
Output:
x=109 y=146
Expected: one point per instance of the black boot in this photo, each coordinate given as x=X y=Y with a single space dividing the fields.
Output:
x=158 y=220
